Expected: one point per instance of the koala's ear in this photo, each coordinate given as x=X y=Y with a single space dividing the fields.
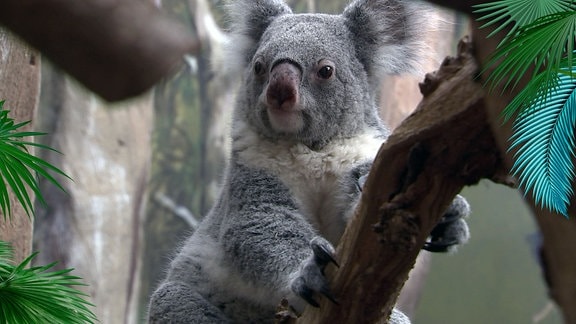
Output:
x=388 y=34
x=249 y=20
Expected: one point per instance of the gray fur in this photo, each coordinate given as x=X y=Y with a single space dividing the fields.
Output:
x=305 y=130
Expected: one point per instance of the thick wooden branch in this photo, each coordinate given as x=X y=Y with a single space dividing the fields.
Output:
x=444 y=145
x=117 y=49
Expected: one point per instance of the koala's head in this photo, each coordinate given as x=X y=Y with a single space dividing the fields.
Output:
x=313 y=77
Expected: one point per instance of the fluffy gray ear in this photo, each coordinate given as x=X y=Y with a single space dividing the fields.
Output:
x=249 y=20
x=388 y=34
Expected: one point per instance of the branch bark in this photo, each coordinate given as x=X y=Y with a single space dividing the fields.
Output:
x=399 y=96
x=117 y=49
x=445 y=144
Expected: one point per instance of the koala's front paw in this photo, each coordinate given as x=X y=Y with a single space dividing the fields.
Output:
x=310 y=278
x=451 y=230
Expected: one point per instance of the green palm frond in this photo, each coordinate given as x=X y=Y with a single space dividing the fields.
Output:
x=519 y=13
x=5 y=252
x=35 y=295
x=542 y=44
x=18 y=168
x=545 y=136
x=537 y=90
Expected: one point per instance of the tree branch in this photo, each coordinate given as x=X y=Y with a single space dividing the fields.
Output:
x=178 y=210
x=117 y=49
x=444 y=145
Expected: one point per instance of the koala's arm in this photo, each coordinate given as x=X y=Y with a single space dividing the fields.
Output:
x=267 y=240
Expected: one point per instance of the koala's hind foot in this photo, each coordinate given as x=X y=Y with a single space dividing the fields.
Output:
x=452 y=230
x=176 y=303
x=310 y=279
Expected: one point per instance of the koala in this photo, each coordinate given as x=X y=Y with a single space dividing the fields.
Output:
x=305 y=131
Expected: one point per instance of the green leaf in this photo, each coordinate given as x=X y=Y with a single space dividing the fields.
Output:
x=543 y=43
x=544 y=134
x=5 y=252
x=37 y=295
x=18 y=168
x=519 y=13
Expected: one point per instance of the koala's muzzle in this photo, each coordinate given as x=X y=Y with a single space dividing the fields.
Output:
x=282 y=91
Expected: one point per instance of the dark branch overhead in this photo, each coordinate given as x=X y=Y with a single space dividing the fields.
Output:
x=464 y=6
x=117 y=49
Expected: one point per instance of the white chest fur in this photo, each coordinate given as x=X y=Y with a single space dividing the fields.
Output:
x=312 y=176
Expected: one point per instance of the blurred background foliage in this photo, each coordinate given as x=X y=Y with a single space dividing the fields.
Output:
x=495 y=278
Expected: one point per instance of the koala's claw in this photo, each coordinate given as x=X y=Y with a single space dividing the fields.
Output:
x=361 y=182
x=301 y=289
x=324 y=253
x=310 y=279
x=451 y=230
x=445 y=237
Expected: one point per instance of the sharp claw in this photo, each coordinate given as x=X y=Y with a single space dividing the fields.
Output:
x=322 y=254
x=323 y=257
x=308 y=298
x=326 y=292
x=439 y=247
x=311 y=280
x=335 y=263
x=361 y=182
x=300 y=288
x=435 y=248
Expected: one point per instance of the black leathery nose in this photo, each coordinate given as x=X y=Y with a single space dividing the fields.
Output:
x=282 y=92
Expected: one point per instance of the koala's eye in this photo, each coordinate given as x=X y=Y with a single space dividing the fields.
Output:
x=326 y=70
x=258 y=67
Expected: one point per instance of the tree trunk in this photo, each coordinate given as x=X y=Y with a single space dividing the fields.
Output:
x=20 y=87
x=96 y=226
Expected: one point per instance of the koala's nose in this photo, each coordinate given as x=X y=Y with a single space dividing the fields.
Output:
x=282 y=91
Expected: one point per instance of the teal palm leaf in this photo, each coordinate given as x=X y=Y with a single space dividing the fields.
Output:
x=544 y=136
